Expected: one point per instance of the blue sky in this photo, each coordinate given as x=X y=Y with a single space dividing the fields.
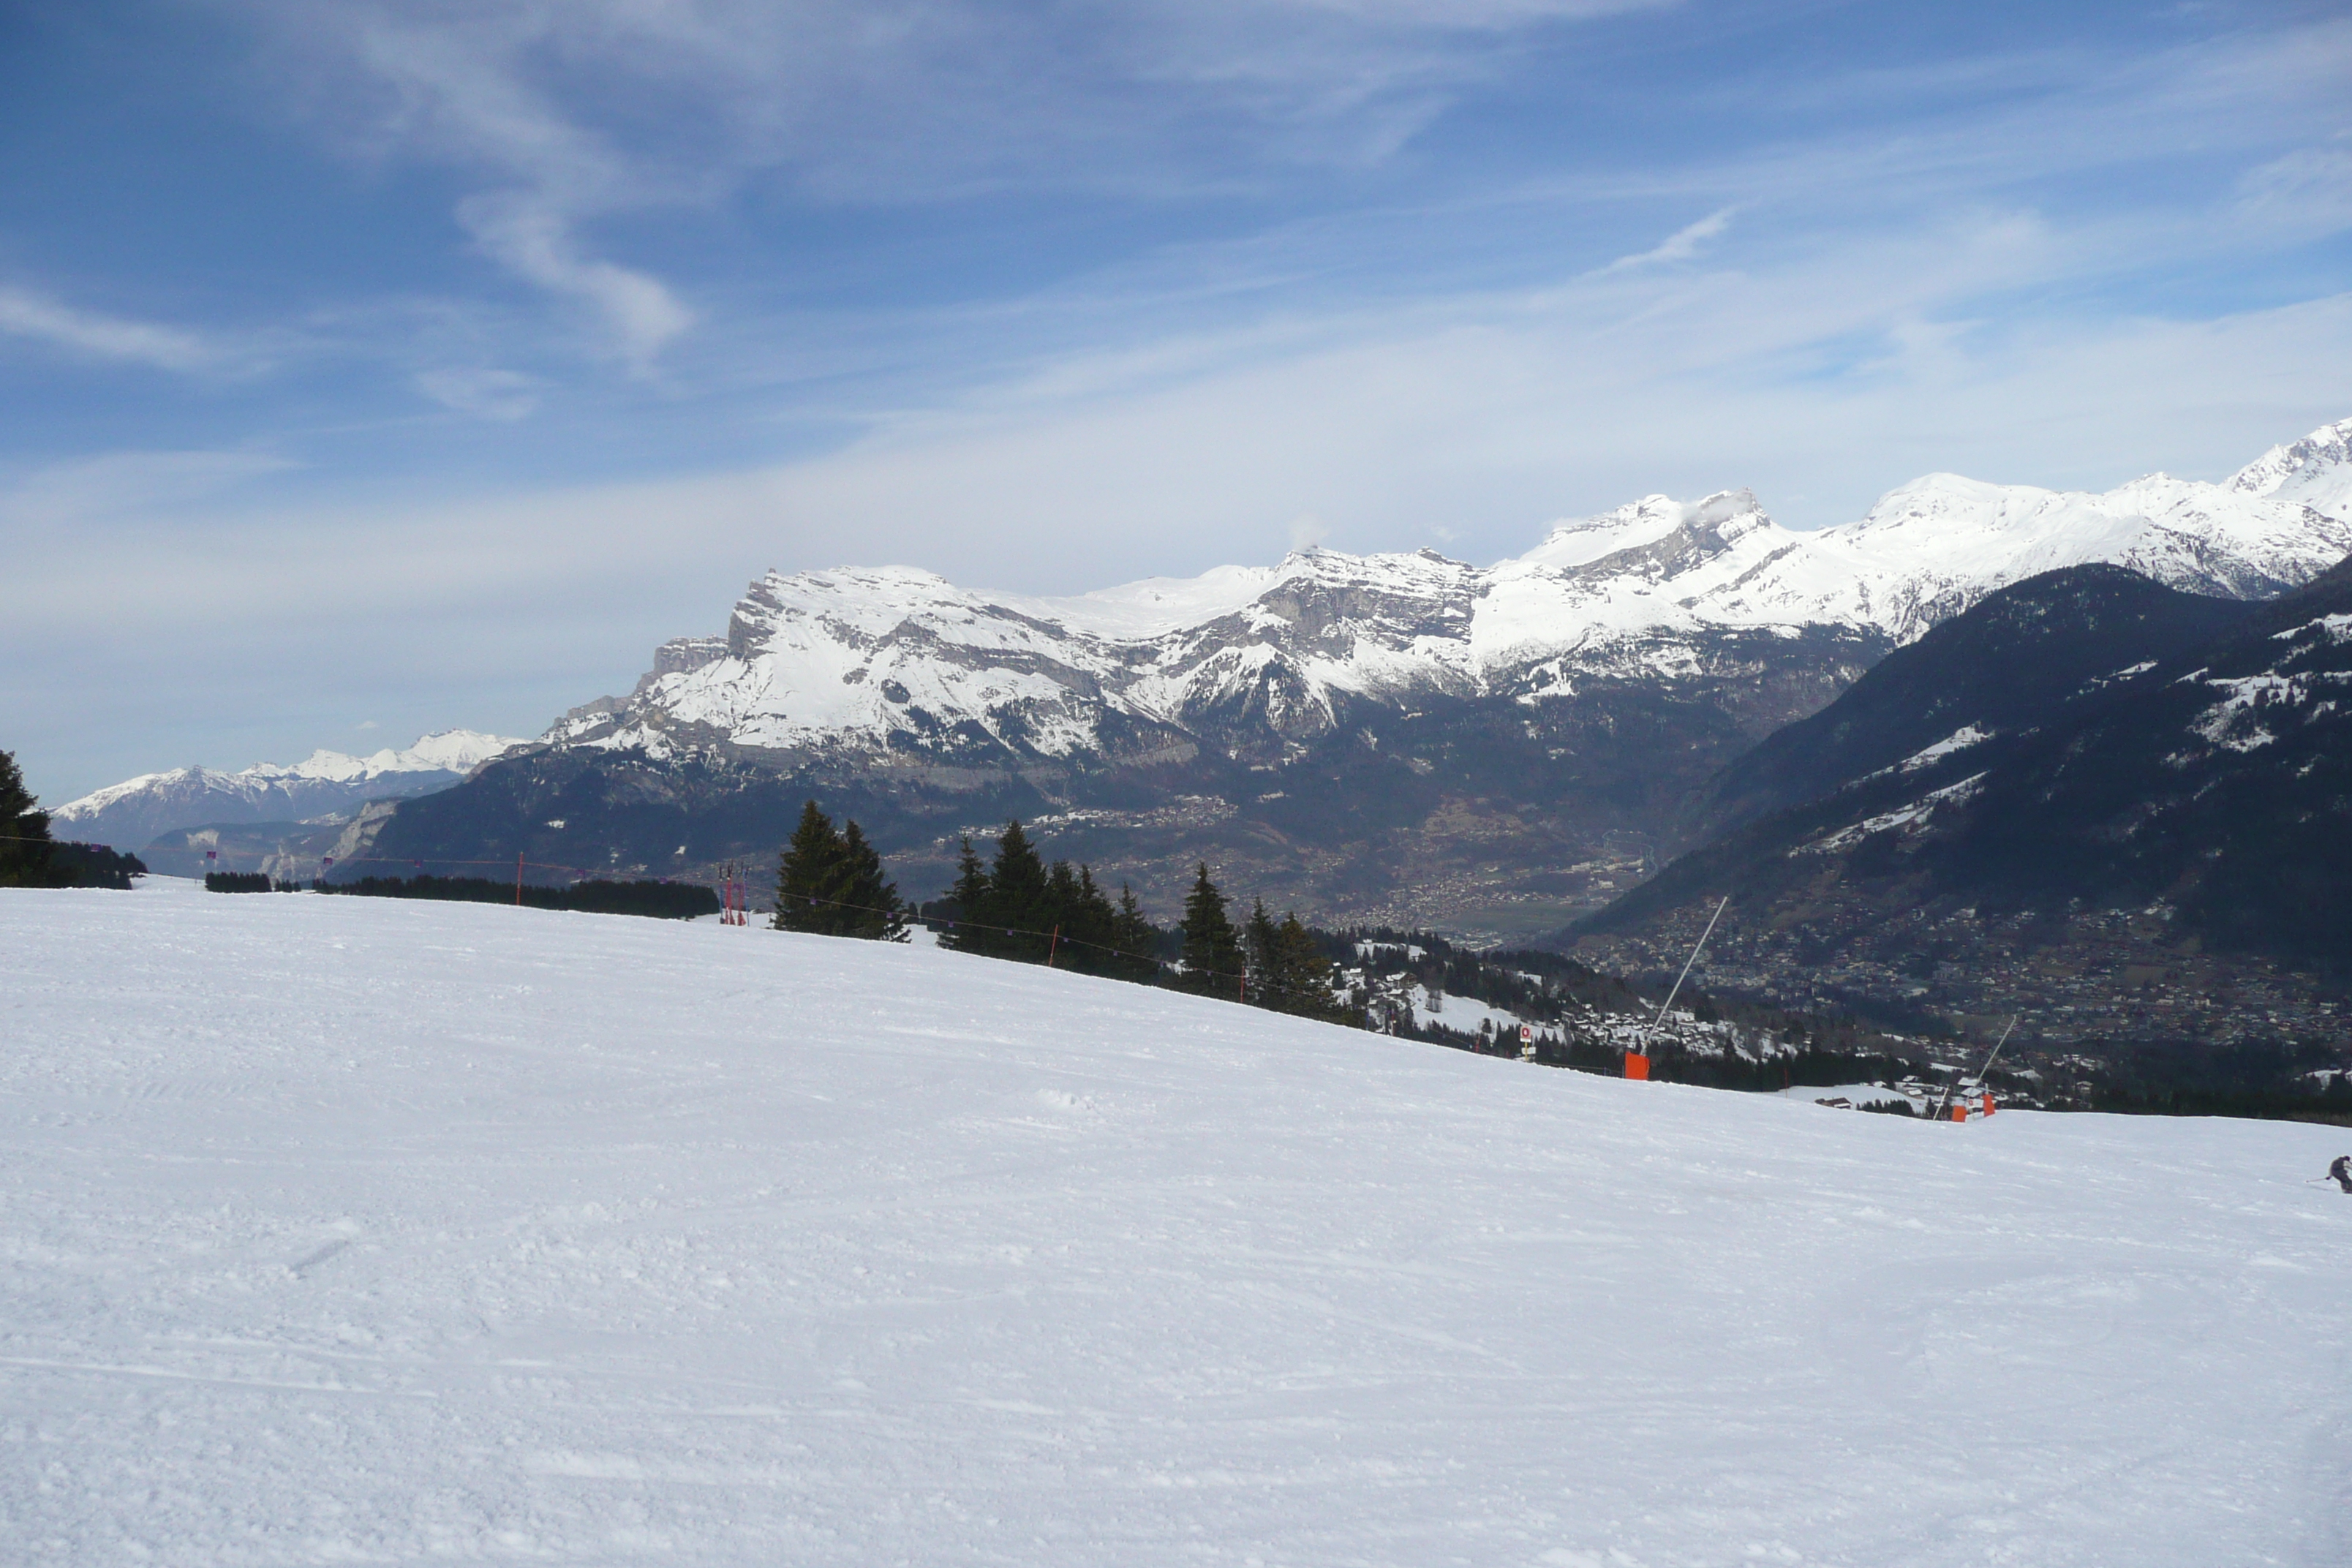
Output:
x=369 y=368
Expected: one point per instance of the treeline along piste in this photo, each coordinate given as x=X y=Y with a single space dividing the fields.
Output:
x=663 y=900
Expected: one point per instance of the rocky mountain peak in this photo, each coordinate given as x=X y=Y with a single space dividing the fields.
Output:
x=2315 y=471
x=1579 y=544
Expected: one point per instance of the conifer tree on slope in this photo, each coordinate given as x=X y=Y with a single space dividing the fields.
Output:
x=1063 y=909
x=1213 y=952
x=1259 y=943
x=831 y=883
x=808 y=873
x=1304 y=975
x=1090 y=924
x=869 y=904
x=1020 y=897
x=24 y=846
x=1135 y=939
x=1002 y=904
x=1097 y=922
x=974 y=907
x=1010 y=910
x=1289 y=971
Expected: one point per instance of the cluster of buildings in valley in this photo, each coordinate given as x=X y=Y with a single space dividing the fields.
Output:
x=2082 y=977
x=1575 y=1016
x=1545 y=1022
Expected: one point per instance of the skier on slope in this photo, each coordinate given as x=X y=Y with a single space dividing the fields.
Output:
x=2340 y=1171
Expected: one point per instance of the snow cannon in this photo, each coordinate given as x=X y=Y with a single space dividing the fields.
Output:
x=1637 y=1061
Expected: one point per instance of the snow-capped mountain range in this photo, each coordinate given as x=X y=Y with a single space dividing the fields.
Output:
x=898 y=666
x=131 y=814
x=1399 y=738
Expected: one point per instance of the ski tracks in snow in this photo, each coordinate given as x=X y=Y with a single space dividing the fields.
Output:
x=347 y=1229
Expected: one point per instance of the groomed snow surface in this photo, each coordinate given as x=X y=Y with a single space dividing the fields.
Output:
x=356 y=1230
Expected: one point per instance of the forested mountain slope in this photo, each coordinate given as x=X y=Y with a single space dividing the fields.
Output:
x=2164 y=849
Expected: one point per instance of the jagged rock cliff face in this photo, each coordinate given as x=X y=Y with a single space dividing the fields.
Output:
x=1387 y=736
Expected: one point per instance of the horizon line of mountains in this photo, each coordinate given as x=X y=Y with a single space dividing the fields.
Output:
x=1401 y=740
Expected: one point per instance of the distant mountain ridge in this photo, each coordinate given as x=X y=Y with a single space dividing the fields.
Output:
x=134 y=813
x=1399 y=738
x=906 y=668
x=2014 y=659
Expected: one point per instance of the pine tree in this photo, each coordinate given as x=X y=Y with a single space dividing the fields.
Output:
x=1021 y=898
x=809 y=876
x=1212 y=953
x=869 y=905
x=1134 y=939
x=1305 y=976
x=831 y=883
x=24 y=846
x=972 y=904
x=1088 y=922
x=1062 y=913
x=1015 y=907
x=1260 y=949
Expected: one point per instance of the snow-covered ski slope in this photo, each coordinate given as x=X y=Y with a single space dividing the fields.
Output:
x=347 y=1231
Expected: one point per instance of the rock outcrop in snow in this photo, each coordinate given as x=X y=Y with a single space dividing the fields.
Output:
x=132 y=814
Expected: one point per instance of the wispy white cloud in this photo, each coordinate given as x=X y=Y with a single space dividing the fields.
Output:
x=535 y=237
x=485 y=394
x=25 y=313
x=116 y=486
x=2308 y=189
x=579 y=121
x=580 y=113
x=461 y=91
x=1680 y=245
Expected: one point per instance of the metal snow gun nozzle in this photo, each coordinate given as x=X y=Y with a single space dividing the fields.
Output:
x=1984 y=1080
x=1637 y=1060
